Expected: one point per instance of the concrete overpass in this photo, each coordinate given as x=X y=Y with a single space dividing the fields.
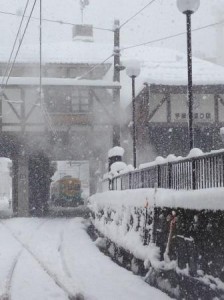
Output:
x=60 y=125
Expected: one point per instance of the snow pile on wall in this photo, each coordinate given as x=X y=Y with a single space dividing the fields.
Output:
x=128 y=218
x=121 y=215
x=123 y=221
x=210 y=199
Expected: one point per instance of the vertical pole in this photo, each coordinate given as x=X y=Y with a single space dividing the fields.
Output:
x=190 y=93
x=116 y=92
x=1 y=110
x=23 y=113
x=23 y=199
x=15 y=185
x=40 y=49
x=134 y=122
x=82 y=15
x=216 y=108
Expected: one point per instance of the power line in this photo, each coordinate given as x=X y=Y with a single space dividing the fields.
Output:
x=52 y=21
x=40 y=37
x=137 y=13
x=42 y=102
x=20 y=43
x=95 y=66
x=14 y=44
x=172 y=36
x=151 y=42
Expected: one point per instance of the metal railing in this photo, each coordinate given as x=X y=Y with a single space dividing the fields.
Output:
x=199 y=172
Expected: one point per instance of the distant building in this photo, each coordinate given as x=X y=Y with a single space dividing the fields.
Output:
x=162 y=109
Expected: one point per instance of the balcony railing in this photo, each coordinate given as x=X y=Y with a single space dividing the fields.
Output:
x=205 y=171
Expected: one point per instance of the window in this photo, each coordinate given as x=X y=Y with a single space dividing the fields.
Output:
x=80 y=100
x=66 y=100
x=177 y=115
x=208 y=115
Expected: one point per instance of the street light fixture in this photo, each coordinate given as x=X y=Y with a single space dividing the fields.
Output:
x=188 y=7
x=133 y=70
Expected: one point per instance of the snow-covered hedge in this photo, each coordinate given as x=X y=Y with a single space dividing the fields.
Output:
x=126 y=219
x=140 y=222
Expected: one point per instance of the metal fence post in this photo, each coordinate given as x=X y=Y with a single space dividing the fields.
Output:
x=158 y=176
x=193 y=174
x=169 y=175
x=129 y=181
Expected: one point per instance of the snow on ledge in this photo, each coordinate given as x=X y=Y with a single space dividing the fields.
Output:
x=211 y=199
x=62 y=82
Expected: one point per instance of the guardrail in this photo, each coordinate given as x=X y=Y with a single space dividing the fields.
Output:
x=206 y=171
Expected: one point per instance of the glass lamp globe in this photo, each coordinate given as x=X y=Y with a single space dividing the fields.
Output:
x=133 y=68
x=188 y=6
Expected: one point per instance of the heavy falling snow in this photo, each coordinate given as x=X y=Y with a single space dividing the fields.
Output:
x=111 y=150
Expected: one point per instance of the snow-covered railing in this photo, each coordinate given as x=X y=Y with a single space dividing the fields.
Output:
x=196 y=171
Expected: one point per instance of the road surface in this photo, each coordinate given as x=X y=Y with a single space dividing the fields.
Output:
x=54 y=258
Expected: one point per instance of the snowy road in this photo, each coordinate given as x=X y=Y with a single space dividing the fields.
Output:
x=56 y=259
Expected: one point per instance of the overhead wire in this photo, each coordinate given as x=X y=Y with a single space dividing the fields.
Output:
x=137 y=13
x=42 y=106
x=128 y=20
x=172 y=36
x=94 y=67
x=42 y=102
x=61 y=22
x=20 y=43
x=123 y=24
x=149 y=42
x=15 y=41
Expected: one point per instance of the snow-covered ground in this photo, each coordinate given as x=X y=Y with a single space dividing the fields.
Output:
x=56 y=259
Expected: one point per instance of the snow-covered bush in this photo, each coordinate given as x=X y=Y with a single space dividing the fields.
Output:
x=127 y=221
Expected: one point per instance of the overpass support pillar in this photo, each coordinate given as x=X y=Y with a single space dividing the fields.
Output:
x=15 y=186
x=92 y=176
x=23 y=184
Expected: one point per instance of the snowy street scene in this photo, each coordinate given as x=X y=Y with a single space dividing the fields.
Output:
x=56 y=259
x=112 y=150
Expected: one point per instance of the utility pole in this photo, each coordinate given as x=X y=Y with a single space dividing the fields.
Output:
x=116 y=91
x=23 y=167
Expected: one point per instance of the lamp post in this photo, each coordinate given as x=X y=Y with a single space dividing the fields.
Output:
x=188 y=7
x=133 y=70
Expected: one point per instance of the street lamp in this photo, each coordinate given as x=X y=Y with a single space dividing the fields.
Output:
x=188 y=7
x=133 y=70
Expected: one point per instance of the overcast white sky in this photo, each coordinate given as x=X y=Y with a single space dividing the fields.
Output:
x=158 y=20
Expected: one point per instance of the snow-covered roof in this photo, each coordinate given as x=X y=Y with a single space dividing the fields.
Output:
x=158 y=65
x=64 y=52
x=169 y=67
x=161 y=66
x=62 y=82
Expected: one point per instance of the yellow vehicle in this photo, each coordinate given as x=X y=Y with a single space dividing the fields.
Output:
x=66 y=192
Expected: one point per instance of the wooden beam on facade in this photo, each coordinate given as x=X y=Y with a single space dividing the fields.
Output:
x=35 y=105
x=151 y=115
x=101 y=103
x=168 y=107
x=216 y=107
x=182 y=89
x=11 y=106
